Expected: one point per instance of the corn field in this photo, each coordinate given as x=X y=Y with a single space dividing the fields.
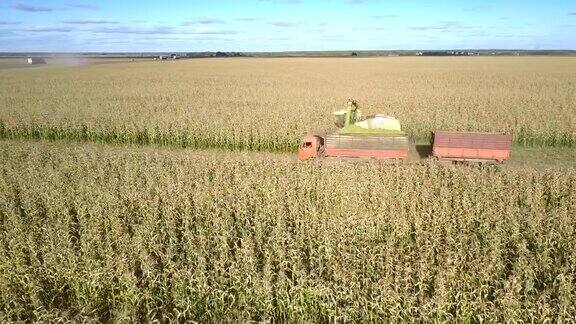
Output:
x=269 y=104
x=98 y=233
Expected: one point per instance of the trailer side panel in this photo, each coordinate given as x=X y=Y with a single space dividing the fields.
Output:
x=362 y=146
x=471 y=146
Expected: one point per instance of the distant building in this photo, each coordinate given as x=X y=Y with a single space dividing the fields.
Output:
x=36 y=60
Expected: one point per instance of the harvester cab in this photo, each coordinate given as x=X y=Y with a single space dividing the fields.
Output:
x=348 y=116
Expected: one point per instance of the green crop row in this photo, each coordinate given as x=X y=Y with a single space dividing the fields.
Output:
x=241 y=141
x=181 y=139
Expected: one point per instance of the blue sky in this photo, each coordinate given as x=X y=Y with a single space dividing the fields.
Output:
x=284 y=25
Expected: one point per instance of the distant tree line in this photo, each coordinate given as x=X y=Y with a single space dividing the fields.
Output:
x=215 y=54
x=448 y=53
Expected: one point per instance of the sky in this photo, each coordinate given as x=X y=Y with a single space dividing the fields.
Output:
x=284 y=25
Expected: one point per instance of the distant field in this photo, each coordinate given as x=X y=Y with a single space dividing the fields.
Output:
x=97 y=232
x=7 y=63
x=271 y=103
x=62 y=61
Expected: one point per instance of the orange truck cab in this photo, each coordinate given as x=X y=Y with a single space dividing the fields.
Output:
x=309 y=147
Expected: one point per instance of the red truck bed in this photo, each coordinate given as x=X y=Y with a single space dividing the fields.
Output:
x=466 y=146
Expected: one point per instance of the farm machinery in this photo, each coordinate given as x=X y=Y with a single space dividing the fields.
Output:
x=381 y=137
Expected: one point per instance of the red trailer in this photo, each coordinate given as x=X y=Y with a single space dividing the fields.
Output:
x=471 y=147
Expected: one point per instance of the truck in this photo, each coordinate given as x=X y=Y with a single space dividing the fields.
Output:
x=381 y=137
x=375 y=137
